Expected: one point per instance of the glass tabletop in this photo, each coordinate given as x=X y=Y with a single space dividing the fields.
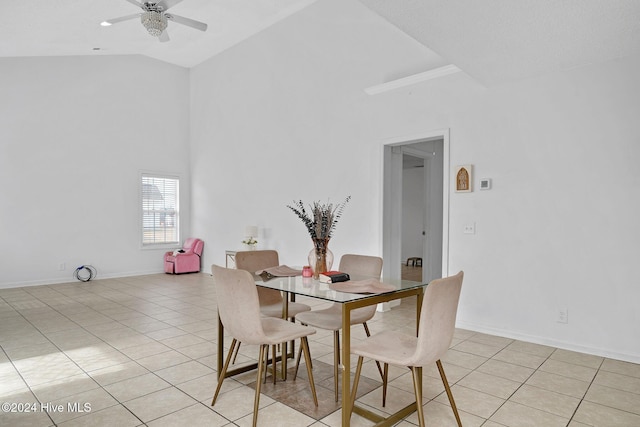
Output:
x=299 y=285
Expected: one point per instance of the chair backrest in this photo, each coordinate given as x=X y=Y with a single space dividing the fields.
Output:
x=253 y=261
x=193 y=245
x=361 y=265
x=437 y=319
x=238 y=305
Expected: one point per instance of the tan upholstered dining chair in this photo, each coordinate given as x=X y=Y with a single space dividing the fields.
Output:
x=239 y=311
x=435 y=332
x=357 y=266
x=270 y=299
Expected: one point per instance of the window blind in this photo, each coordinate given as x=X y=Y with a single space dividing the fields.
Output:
x=160 y=209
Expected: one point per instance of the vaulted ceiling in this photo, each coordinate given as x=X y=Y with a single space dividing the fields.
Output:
x=491 y=40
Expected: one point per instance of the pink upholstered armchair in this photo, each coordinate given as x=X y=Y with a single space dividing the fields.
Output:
x=187 y=261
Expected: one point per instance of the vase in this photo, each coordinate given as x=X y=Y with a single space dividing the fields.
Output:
x=320 y=257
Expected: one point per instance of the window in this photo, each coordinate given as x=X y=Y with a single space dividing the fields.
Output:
x=160 y=207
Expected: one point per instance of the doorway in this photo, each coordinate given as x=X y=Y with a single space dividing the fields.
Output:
x=416 y=205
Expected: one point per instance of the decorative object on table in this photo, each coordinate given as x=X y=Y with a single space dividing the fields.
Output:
x=333 y=277
x=279 y=271
x=250 y=242
x=306 y=271
x=320 y=225
x=464 y=179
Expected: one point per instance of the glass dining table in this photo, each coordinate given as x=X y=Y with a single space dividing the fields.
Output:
x=304 y=286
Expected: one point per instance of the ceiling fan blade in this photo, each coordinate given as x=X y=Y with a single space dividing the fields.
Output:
x=166 y=4
x=164 y=37
x=188 y=22
x=137 y=3
x=120 y=19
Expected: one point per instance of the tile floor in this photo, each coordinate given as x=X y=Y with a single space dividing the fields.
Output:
x=141 y=351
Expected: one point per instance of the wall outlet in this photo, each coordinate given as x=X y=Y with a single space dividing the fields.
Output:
x=563 y=315
x=470 y=228
x=61 y=266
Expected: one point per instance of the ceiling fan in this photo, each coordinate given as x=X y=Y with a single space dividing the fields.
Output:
x=155 y=19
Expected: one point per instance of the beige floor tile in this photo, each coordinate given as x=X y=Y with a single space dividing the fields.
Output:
x=163 y=360
x=603 y=416
x=145 y=350
x=203 y=388
x=335 y=420
x=506 y=370
x=102 y=360
x=495 y=386
x=277 y=414
x=116 y=415
x=439 y=415
x=184 y=372
x=431 y=387
x=531 y=348
x=519 y=358
x=617 y=381
x=575 y=358
x=116 y=373
x=197 y=351
x=453 y=373
x=76 y=405
x=622 y=368
x=474 y=402
x=570 y=370
x=25 y=419
x=545 y=400
x=165 y=333
x=515 y=415
x=462 y=359
x=159 y=404
x=559 y=384
x=133 y=388
x=238 y=402
x=477 y=348
x=58 y=389
x=614 y=398
x=491 y=340
x=192 y=416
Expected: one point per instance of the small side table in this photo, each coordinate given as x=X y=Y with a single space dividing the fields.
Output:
x=230 y=259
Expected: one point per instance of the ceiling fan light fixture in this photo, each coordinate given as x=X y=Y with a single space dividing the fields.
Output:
x=155 y=22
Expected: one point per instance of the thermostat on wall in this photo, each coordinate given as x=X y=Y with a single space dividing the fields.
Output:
x=485 y=184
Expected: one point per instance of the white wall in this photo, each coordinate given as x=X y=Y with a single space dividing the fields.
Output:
x=74 y=134
x=283 y=116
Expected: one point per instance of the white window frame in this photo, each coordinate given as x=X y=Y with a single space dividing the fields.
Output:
x=161 y=218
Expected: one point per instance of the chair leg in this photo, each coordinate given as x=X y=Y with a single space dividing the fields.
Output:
x=385 y=379
x=366 y=330
x=304 y=343
x=283 y=360
x=336 y=360
x=233 y=362
x=449 y=394
x=356 y=380
x=273 y=363
x=295 y=373
x=261 y=366
x=417 y=387
x=224 y=371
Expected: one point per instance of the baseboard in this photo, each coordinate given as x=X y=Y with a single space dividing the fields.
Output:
x=633 y=358
x=56 y=281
